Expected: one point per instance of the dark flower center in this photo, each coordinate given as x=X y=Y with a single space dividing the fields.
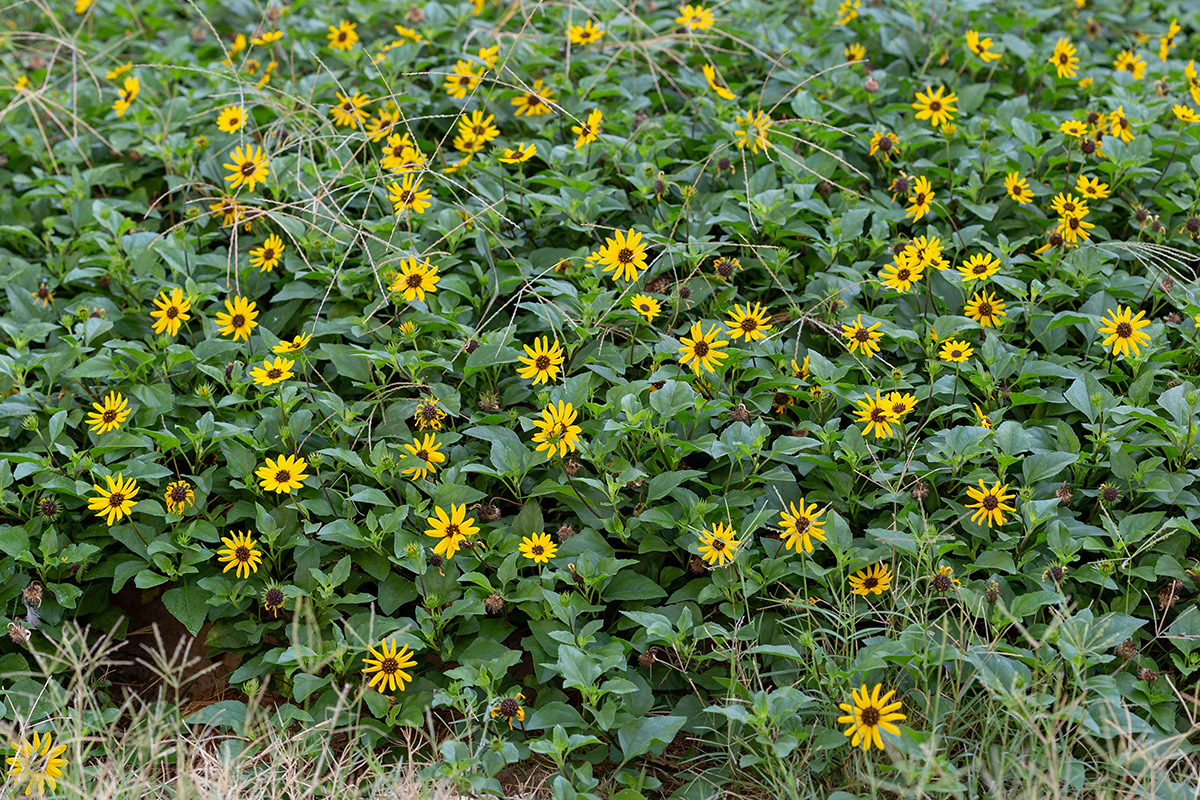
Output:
x=920 y=199
x=1124 y=330
x=802 y=524
x=862 y=335
x=242 y=554
x=941 y=583
x=1063 y=58
x=248 y=168
x=238 y=320
x=537 y=550
x=878 y=415
x=700 y=348
x=899 y=408
x=542 y=363
x=509 y=707
x=1073 y=223
x=172 y=312
x=414 y=280
x=389 y=666
x=885 y=143
x=870 y=582
x=902 y=274
x=749 y=324
x=341 y=36
x=423 y=455
x=990 y=503
x=718 y=544
x=625 y=256
x=283 y=476
x=268 y=254
x=870 y=717
x=179 y=493
x=452 y=530
x=429 y=413
x=980 y=269
x=109 y=416
x=274 y=597
x=116 y=499
x=274 y=374
x=985 y=309
x=956 y=353
x=934 y=105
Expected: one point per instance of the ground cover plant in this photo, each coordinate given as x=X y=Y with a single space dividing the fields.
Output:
x=600 y=399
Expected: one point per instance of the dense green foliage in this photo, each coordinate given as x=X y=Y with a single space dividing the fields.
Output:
x=1063 y=632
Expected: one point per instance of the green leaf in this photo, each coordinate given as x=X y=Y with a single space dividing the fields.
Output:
x=638 y=737
x=1044 y=466
x=188 y=604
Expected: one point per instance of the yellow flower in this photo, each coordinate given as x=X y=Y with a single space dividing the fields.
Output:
x=900 y=403
x=878 y=415
x=282 y=475
x=646 y=305
x=956 y=351
x=462 y=80
x=990 y=503
x=750 y=322
x=755 y=125
x=587 y=131
x=585 y=34
x=342 y=37
x=884 y=143
x=557 y=430
x=510 y=708
x=1073 y=228
x=920 y=199
x=400 y=155
x=428 y=451
x=348 y=113
x=860 y=337
x=981 y=47
x=1128 y=61
x=388 y=665
x=109 y=415
x=116 y=502
x=1124 y=331
x=854 y=52
x=847 y=11
x=117 y=72
x=409 y=196
x=542 y=362
x=267 y=256
x=534 y=102
x=1064 y=59
x=1121 y=127
x=624 y=255
x=450 y=529
x=171 y=311
x=298 y=343
x=1167 y=42
x=80 y=7
x=240 y=554
x=1018 y=188
x=428 y=415
x=717 y=545
x=1185 y=114
x=415 y=279
x=274 y=372
x=39 y=761
x=875 y=579
x=267 y=38
x=519 y=154
x=128 y=93
x=702 y=350
x=868 y=714
x=985 y=309
x=478 y=126
x=695 y=17
x=179 y=495
x=538 y=548
x=984 y=421
x=489 y=55
x=801 y=526
x=935 y=105
x=1073 y=128
x=1091 y=188
x=904 y=271
x=979 y=267
x=249 y=167
x=710 y=75
x=239 y=320
x=409 y=34
x=232 y=118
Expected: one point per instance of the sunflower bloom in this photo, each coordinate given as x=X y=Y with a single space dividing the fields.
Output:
x=240 y=554
x=587 y=131
x=802 y=526
x=647 y=306
x=717 y=545
x=990 y=504
x=979 y=267
x=920 y=198
x=535 y=102
x=116 y=502
x=267 y=257
x=868 y=714
x=875 y=579
x=1124 y=331
x=878 y=416
x=428 y=451
x=903 y=273
x=231 y=118
x=282 y=475
x=273 y=372
x=542 y=362
x=750 y=322
x=695 y=17
x=702 y=350
x=862 y=338
x=538 y=548
x=109 y=415
x=248 y=167
x=342 y=36
x=1018 y=188
x=1064 y=59
x=985 y=309
x=623 y=254
x=387 y=665
x=39 y=761
x=710 y=75
x=238 y=318
x=935 y=105
x=409 y=196
x=451 y=530
x=179 y=495
x=415 y=279
x=349 y=113
x=428 y=416
x=755 y=125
